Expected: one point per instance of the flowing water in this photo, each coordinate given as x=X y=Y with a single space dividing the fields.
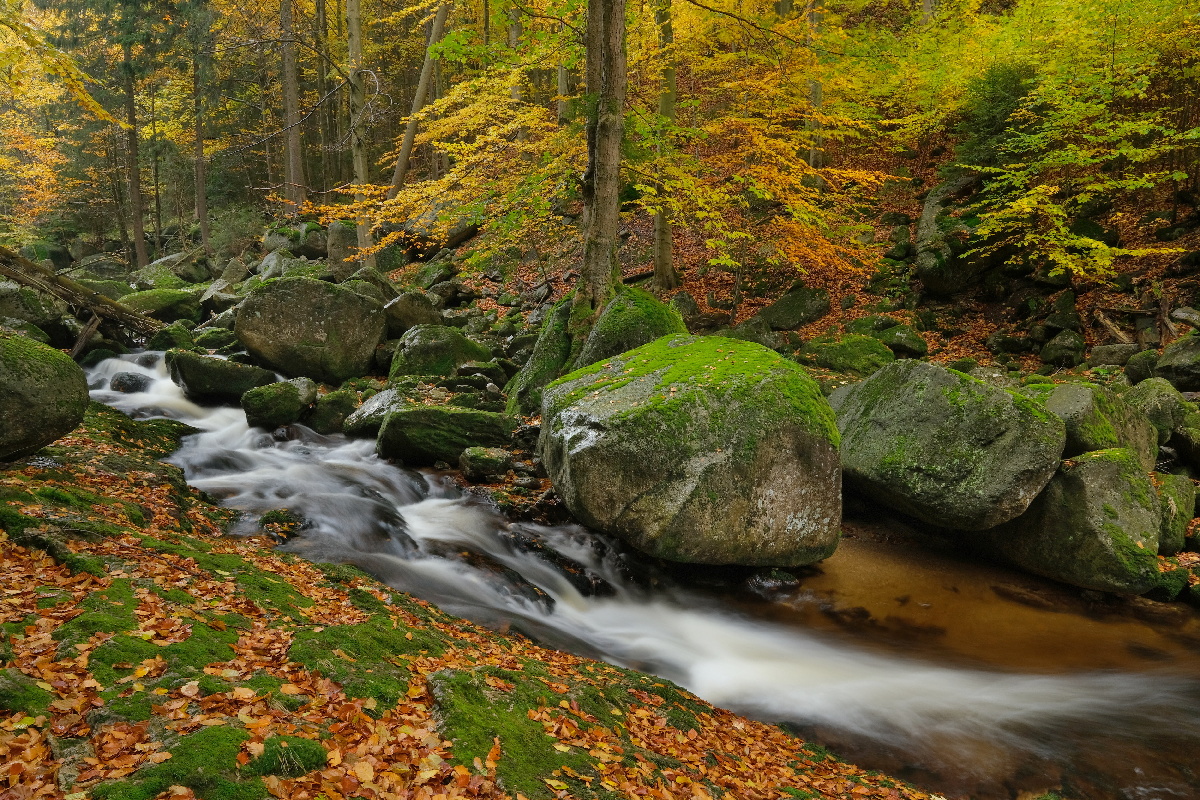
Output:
x=965 y=678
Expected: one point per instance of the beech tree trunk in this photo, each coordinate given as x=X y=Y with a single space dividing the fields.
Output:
x=422 y=92
x=137 y=209
x=293 y=156
x=198 y=158
x=604 y=40
x=665 y=275
x=358 y=127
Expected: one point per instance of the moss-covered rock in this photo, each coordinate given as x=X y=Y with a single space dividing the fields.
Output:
x=480 y=464
x=331 y=411
x=1162 y=404
x=1066 y=349
x=800 y=305
x=279 y=403
x=631 y=319
x=216 y=338
x=1180 y=363
x=435 y=350
x=212 y=378
x=1097 y=419
x=168 y=305
x=24 y=304
x=310 y=328
x=1096 y=525
x=175 y=335
x=422 y=435
x=1140 y=366
x=1177 y=500
x=855 y=355
x=944 y=447
x=368 y=418
x=409 y=310
x=698 y=449
x=113 y=290
x=43 y=395
x=550 y=354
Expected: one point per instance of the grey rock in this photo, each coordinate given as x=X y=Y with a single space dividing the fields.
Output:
x=946 y=448
x=1111 y=355
x=43 y=395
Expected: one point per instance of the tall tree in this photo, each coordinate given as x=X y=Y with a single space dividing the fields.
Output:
x=605 y=73
x=665 y=275
x=419 y=97
x=358 y=121
x=294 y=191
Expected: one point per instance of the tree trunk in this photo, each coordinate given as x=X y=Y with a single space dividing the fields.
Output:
x=410 y=129
x=358 y=133
x=198 y=157
x=816 y=150
x=604 y=39
x=136 y=205
x=293 y=157
x=665 y=275
x=325 y=115
x=154 y=176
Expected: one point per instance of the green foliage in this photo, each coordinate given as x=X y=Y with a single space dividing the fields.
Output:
x=987 y=107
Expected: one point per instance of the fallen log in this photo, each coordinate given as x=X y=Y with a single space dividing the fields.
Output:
x=76 y=295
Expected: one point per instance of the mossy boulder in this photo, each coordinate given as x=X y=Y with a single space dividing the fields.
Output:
x=422 y=435
x=944 y=447
x=698 y=449
x=168 y=305
x=331 y=411
x=1066 y=349
x=1096 y=525
x=479 y=464
x=43 y=395
x=27 y=305
x=855 y=355
x=940 y=241
x=550 y=354
x=368 y=418
x=279 y=403
x=435 y=350
x=1177 y=501
x=1180 y=363
x=800 y=305
x=172 y=272
x=213 y=378
x=903 y=340
x=310 y=328
x=175 y=335
x=631 y=319
x=409 y=310
x=1162 y=404
x=1097 y=419
x=113 y=290
x=341 y=245
x=1141 y=366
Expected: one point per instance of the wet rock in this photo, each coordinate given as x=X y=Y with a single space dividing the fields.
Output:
x=129 y=382
x=213 y=378
x=279 y=403
x=43 y=395
x=698 y=449
x=944 y=447
x=484 y=464
x=422 y=435
x=368 y=418
x=311 y=328
x=1096 y=525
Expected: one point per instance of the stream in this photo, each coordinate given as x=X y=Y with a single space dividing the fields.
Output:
x=968 y=679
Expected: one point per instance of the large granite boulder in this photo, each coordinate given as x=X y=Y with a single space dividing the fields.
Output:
x=28 y=305
x=631 y=319
x=854 y=354
x=43 y=395
x=435 y=350
x=311 y=328
x=214 y=378
x=941 y=241
x=168 y=305
x=1096 y=525
x=1180 y=363
x=423 y=435
x=1161 y=403
x=280 y=403
x=945 y=447
x=409 y=310
x=1097 y=419
x=698 y=449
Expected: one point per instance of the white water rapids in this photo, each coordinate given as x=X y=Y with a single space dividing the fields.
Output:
x=407 y=528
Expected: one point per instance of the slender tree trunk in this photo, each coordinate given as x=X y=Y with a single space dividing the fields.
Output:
x=154 y=161
x=118 y=200
x=358 y=133
x=665 y=275
x=816 y=149
x=604 y=40
x=410 y=129
x=198 y=157
x=928 y=7
x=564 y=88
x=514 y=42
x=293 y=157
x=324 y=117
x=136 y=204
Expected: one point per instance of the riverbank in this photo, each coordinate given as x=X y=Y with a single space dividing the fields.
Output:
x=155 y=653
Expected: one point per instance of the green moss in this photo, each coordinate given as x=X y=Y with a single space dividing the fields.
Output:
x=708 y=365
x=288 y=757
x=853 y=355
x=632 y=318
x=109 y=610
x=204 y=762
x=20 y=693
x=550 y=354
